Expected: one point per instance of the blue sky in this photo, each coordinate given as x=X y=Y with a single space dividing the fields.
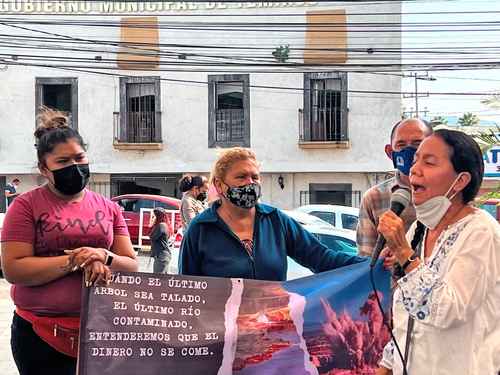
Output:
x=454 y=81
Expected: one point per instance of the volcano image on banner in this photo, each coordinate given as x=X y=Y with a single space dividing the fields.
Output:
x=324 y=324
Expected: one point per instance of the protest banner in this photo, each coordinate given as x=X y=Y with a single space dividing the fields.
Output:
x=327 y=323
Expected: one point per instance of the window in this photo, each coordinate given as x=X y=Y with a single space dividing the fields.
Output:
x=145 y=183
x=337 y=243
x=329 y=217
x=58 y=93
x=228 y=111
x=349 y=221
x=143 y=203
x=140 y=115
x=127 y=204
x=340 y=194
x=325 y=107
x=166 y=206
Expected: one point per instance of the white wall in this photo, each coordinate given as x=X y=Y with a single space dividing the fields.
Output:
x=274 y=128
x=274 y=118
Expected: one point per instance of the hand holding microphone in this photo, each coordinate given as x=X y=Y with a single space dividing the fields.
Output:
x=391 y=227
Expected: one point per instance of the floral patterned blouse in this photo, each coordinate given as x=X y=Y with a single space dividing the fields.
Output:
x=454 y=297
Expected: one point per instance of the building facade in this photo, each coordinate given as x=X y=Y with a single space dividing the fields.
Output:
x=150 y=111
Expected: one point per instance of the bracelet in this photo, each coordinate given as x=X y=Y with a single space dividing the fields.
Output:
x=412 y=258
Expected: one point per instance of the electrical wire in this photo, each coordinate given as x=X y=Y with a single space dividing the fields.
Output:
x=386 y=323
x=300 y=89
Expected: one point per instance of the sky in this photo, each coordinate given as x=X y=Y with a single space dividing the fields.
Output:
x=455 y=81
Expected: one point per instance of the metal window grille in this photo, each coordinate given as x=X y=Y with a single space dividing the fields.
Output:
x=341 y=197
x=326 y=110
x=229 y=125
x=140 y=115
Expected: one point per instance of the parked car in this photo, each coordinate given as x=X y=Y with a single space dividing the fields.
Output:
x=306 y=219
x=344 y=217
x=337 y=239
x=131 y=205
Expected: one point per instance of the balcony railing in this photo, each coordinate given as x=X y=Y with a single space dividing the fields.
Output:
x=137 y=127
x=229 y=125
x=323 y=125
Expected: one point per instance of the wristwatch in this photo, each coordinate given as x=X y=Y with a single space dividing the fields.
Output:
x=413 y=257
x=109 y=258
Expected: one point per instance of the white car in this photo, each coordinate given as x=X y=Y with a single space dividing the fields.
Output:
x=343 y=240
x=344 y=217
x=306 y=220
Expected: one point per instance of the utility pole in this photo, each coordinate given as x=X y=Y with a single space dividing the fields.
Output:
x=416 y=95
x=411 y=113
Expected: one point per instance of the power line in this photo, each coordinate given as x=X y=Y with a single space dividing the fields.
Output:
x=253 y=15
x=84 y=69
x=317 y=28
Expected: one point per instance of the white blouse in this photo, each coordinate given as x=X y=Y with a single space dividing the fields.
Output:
x=454 y=297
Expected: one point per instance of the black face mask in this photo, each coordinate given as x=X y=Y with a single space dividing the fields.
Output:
x=72 y=179
x=245 y=196
x=202 y=196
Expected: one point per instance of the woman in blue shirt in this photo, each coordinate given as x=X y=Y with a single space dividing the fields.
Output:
x=241 y=238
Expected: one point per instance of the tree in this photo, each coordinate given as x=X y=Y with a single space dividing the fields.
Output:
x=468 y=119
x=488 y=139
x=493 y=101
x=438 y=120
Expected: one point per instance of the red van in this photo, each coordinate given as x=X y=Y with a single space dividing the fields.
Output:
x=131 y=205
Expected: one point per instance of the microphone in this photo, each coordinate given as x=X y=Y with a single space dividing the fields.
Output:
x=399 y=200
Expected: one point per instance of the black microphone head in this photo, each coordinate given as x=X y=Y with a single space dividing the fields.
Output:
x=400 y=199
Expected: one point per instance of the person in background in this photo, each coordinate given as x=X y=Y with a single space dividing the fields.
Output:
x=239 y=237
x=11 y=191
x=160 y=246
x=406 y=136
x=451 y=291
x=52 y=235
x=194 y=197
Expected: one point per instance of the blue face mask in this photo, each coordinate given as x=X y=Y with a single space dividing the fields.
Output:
x=403 y=160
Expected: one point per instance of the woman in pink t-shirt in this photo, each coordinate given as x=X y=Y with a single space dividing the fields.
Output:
x=53 y=236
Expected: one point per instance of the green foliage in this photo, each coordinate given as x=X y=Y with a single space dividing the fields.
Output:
x=438 y=120
x=488 y=139
x=495 y=194
x=493 y=101
x=468 y=119
x=281 y=53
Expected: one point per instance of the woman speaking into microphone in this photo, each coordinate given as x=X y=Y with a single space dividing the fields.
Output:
x=447 y=305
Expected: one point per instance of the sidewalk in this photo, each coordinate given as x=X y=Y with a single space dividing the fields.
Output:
x=7 y=365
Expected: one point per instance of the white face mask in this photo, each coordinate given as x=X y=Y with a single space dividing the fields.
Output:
x=432 y=211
